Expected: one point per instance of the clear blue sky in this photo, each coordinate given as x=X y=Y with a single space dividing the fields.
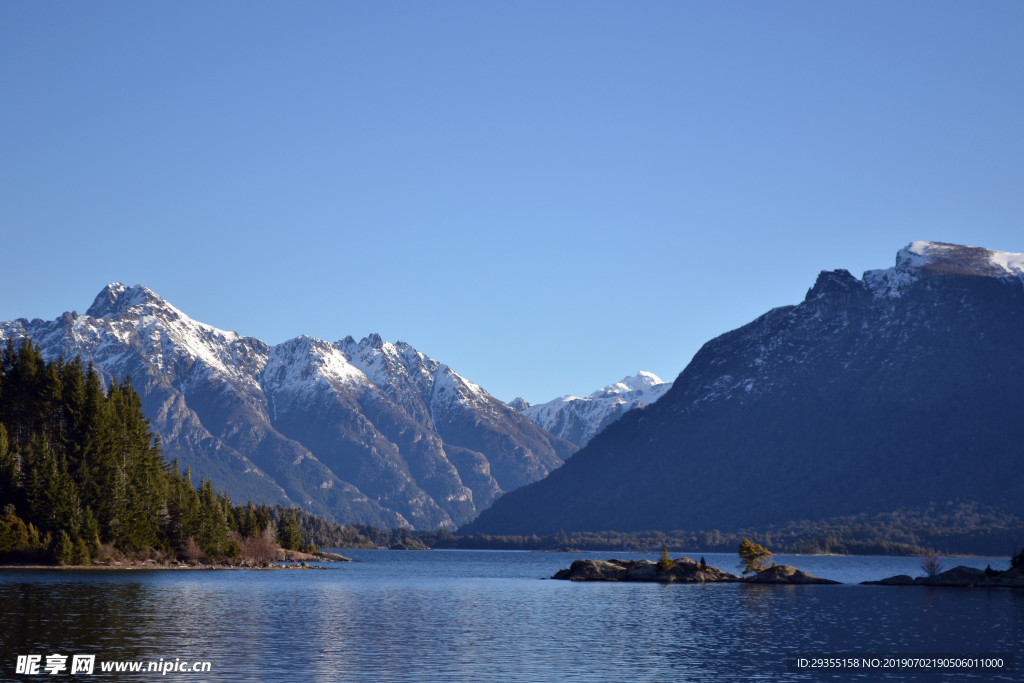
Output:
x=547 y=196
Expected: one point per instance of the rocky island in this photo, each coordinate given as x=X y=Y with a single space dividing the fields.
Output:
x=680 y=570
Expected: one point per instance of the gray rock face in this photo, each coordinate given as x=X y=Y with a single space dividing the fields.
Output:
x=361 y=432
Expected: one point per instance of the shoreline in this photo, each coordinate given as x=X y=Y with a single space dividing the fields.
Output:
x=289 y=559
x=143 y=567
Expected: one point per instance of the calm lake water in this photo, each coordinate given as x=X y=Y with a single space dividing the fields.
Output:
x=476 y=615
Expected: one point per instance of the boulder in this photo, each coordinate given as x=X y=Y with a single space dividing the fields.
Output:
x=1011 y=578
x=786 y=574
x=593 y=570
x=957 y=576
x=898 y=580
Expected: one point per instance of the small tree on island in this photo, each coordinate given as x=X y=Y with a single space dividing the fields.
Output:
x=665 y=563
x=753 y=557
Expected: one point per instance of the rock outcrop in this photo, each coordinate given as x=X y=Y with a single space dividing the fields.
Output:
x=684 y=571
x=959 y=577
x=786 y=574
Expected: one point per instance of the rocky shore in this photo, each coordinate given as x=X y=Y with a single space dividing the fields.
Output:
x=286 y=559
x=684 y=570
x=959 y=577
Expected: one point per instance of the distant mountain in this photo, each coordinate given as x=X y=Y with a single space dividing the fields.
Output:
x=578 y=419
x=896 y=390
x=361 y=432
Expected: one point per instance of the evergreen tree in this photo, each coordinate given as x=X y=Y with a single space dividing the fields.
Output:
x=90 y=532
x=665 y=563
x=249 y=523
x=213 y=528
x=14 y=534
x=63 y=548
x=9 y=489
x=753 y=557
x=289 y=535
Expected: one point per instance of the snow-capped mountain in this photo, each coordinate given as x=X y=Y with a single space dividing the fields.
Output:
x=369 y=431
x=578 y=419
x=893 y=391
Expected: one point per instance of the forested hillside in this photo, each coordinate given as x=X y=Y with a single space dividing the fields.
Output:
x=81 y=476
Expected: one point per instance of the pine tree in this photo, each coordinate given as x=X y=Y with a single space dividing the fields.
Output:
x=90 y=532
x=14 y=534
x=665 y=563
x=213 y=528
x=753 y=557
x=63 y=548
x=80 y=552
x=289 y=535
x=10 y=491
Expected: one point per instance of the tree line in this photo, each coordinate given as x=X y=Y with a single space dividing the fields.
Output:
x=82 y=477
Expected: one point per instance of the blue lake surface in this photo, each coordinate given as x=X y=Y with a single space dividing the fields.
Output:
x=476 y=615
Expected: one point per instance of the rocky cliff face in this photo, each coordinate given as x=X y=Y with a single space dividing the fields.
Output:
x=369 y=431
x=894 y=390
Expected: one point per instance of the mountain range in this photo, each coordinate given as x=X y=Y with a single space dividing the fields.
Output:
x=364 y=431
x=579 y=419
x=898 y=390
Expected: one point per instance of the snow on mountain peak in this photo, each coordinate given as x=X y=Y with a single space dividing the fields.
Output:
x=640 y=382
x=306 y=365
x=579 y=419
x=115 y=299
x=942 y=258
x=961 y=260
x=139 y=318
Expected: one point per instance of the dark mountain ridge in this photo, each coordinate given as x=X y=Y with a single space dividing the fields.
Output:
x=898 y=390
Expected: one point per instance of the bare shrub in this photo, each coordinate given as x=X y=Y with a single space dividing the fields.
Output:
x=106 y=553
x=192 y=552
x=258 y=550
x=930 y=564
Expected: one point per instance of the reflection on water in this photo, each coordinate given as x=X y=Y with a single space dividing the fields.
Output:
x=475 y=615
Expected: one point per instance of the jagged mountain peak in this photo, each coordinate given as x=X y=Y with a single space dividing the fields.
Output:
x=519 y=403
x=641 y=381
x=834 y=282
x=579 y=419
x=115 y=299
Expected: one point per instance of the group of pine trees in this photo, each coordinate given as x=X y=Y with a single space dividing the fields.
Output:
x=82 y=476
